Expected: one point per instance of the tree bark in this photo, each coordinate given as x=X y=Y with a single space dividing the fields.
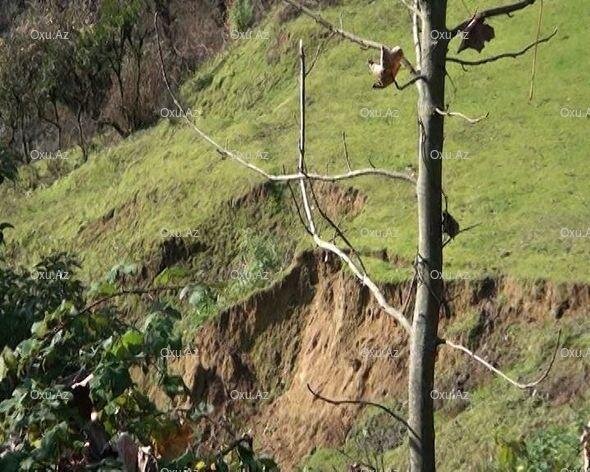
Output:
x=424 y=340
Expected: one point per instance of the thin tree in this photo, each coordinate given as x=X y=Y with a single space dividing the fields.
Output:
x=428 y=23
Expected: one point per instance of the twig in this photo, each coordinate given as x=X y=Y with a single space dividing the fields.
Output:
x=278 y=178
x=336 y=228
x=413 y=80
x=346 y=151
x=133 y=291
x=409 y=295
x=461 y=115
x=365 y=43
x=489 y=366
x=459 y=232
x=534 y=68
x=497 y=11
x=502 y=56
x=318 y=51
x=390 y=412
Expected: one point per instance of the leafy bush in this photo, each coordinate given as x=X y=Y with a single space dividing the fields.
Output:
x=66 y=389
x=551 y=449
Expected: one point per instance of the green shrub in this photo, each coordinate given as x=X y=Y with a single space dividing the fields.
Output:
x=241 y=15
x=551 y=449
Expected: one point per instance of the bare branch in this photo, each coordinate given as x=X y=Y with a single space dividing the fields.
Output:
x=497 y=11
x=465 y=63
x=318 y=51
x=224 y=152
x=413 y=9
x=357 y=271
x=365 y=43
x=299 y=214
x=409 y=295
x=390 y=412
x=336 y=229
x=131 y=291
x=461 y=115
x=346 y=151
x=534 y=67
x=459 y=232
x=489 y=366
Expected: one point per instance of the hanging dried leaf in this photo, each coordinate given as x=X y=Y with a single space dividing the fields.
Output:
x=475 y=34
x=388 y=66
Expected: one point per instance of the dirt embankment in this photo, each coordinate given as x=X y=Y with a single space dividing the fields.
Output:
x=318 y=326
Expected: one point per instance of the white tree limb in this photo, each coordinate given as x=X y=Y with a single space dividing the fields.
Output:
x=356 y=270
x=461 y=115
x=498 y=372
x=274 y=177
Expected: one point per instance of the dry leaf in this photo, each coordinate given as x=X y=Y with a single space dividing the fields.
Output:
x=475 y=34
x=389 y=64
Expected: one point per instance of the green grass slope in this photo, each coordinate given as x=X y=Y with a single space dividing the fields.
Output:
x=525 y=179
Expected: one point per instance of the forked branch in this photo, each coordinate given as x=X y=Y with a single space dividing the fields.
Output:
x=496 y=11
x=224 y=152
x=498 y=372
x=364 y=43
x=389 y=411
x=513 y=55
x=357 y=270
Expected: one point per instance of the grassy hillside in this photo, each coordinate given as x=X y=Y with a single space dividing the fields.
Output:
x=525 y=179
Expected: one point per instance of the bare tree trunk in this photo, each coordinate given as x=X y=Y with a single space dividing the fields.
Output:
x=429 y=260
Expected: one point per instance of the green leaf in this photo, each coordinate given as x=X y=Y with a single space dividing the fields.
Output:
x=39 y=329
x=170 y=274
x=130 y=344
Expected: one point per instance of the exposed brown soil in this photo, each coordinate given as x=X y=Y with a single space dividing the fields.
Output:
x=315 y=326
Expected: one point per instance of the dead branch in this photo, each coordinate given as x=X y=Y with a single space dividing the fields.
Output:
x=409 y=295
x=224 y=152
x=459 y=232
x=302 y=176
x=133 y=291
x=364 y=43
x=461 y=115
x=489 y=366
x=497 y=11
x=346 y=151
x=336 y=229
x=513 y=55
x=318 y=51
x=390 y=412
x=413 y=80
x=357 y=271
x=413 y=9
x=297 y=207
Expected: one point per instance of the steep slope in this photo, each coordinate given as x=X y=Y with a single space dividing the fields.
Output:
x=318 y=326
